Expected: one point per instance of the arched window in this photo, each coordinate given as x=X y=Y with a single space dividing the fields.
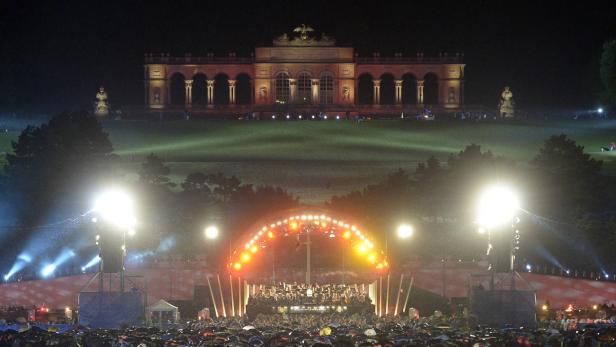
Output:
x=221 y=89
x=326 y=89
x=178 y=89
x=430 y=89
x=282 y=87
x=199 y=89
x=243 y=89
x=409 y=89
x=365 y=90
x=304 y=88
x=388 y=89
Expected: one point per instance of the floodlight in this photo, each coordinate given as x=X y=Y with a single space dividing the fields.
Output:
x=48 y=270
x=405 y=231
x=116 y=207
x=497 y=206
x=211 y=232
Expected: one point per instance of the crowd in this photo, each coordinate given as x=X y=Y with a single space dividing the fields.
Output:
x=297 y=294
x=316 y=330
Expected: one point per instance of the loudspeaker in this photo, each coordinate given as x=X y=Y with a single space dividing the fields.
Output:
x=111 y=254
x=501 y=307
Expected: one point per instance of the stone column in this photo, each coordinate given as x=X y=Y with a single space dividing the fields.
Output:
x=292 y=89
x=210 y=92
x=146 y=90
x=146 y=84
x=167 y=92
x=420 y=91
x=188 y=86
x=398 y=92
x=232 y=92
x=377 y=92
x=315 y=91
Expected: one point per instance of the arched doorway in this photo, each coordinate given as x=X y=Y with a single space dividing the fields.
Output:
x=304 y=88
x=221 y=89
x=282 y=87
x=177 y=90
x=326 y=89
x=199 y=89
x=430 y=89
x=388 y=89
x=365 y=91
x=243 y=89
x=409 y=89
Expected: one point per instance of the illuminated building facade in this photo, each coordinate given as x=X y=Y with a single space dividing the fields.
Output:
x=303 y=74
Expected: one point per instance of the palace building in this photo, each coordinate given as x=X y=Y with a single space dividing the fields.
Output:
x=303 y=73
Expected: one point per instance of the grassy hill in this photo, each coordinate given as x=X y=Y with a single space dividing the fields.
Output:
x=316 y=160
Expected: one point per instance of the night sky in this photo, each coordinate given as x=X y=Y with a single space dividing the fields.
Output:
x=55 y=54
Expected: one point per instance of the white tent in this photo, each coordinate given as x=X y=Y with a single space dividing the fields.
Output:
x=163 y=312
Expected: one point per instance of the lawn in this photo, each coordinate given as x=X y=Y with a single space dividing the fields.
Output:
x=315 y=160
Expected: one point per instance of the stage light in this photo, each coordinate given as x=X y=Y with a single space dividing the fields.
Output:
x=293 y=225
x=211 y=232
x=237 y=266
x=600 y=110
x=529 y=267
x=131 y=232
x=332 y=235
x=497 y=206
x=25 y=257
x=48 y=270
x=245 y=257
x=595 y=307
x=361 y=249
x=95 y=260
x=253 y=249
x=117 y=208
x=544 y=307
x=405 y=231
x=270 y=234
x=372 y=258
x=347 y=235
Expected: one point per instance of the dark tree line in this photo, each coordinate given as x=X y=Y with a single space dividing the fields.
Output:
x=568 y=205
x=56 y=170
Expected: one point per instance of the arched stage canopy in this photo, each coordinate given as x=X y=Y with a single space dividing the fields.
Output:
x=302 y=222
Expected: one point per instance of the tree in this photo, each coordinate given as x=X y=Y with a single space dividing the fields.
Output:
x=195 y=181
x=154 y=172
x=54 y=164
x=222 y=186
x=568 y=182
x=607 y=71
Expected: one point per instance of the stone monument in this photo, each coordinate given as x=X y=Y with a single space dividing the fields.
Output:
x=101 y=107
x=506 y=106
